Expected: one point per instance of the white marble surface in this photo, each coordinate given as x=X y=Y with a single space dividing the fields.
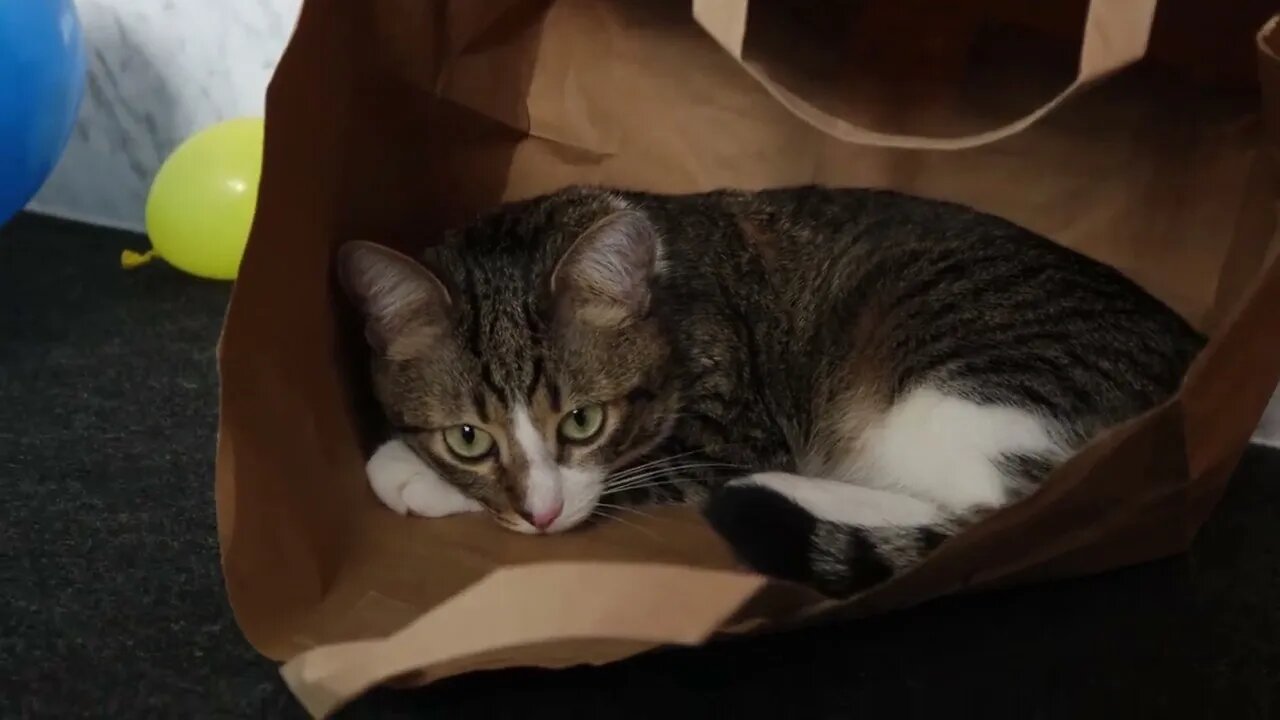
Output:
x=159 y=70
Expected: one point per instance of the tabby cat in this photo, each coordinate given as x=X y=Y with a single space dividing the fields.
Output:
x=842 y=378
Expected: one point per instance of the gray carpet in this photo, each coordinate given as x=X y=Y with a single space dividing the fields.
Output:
x=111 y=602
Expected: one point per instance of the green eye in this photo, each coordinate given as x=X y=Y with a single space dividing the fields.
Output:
x=468 y=442
x=582 y=424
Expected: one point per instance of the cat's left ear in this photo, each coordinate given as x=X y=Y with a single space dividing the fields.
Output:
x=606 y=276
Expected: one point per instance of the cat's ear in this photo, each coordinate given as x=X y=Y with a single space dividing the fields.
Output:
x=606 y=275
x=403 y=303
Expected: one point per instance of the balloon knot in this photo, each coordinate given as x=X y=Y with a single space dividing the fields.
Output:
x=130 y=259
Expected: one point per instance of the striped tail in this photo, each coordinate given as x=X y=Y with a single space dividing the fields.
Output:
x=838 y=538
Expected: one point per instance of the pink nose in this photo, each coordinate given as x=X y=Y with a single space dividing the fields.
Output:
x=543 y=519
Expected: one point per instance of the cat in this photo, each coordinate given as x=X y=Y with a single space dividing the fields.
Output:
x=841 y=378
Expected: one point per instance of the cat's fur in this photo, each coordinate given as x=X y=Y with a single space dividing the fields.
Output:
x=843 y=378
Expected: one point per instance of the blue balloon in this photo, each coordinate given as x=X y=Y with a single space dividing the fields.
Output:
x=41 y=83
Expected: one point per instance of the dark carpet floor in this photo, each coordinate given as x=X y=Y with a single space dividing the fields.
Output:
x=111 y=602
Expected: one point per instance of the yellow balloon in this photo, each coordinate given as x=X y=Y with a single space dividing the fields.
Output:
x=201 y=203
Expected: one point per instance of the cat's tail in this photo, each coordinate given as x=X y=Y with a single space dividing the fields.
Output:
x=837 y=538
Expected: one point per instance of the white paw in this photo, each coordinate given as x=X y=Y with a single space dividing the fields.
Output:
x=407 y=485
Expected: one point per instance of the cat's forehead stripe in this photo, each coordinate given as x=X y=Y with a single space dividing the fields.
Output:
x=481 y=407
x=534 y=378
x=487 y=377
x=553 y=395
x=510 y=357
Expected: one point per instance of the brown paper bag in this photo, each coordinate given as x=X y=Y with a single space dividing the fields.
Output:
x=392 y=119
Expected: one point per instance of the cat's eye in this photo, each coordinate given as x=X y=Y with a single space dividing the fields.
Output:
x=468 y=441
x=582 y=424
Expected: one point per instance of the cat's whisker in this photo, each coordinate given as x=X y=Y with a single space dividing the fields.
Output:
x=628 y=523
x=668 y=469
x=634 y=469
x=641 y=480
x=653 y=482
x=652 y=463
x=625 y=508
x=644 y=486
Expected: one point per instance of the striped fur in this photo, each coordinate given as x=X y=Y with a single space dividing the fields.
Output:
x=795 y=358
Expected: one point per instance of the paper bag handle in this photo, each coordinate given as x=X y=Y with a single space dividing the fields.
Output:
x=1116 y=34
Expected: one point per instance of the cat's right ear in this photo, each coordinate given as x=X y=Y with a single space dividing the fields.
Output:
x=404 y=304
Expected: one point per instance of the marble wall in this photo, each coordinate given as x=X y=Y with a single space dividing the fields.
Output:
x=159 y=70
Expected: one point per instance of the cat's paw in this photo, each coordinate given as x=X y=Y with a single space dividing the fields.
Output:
x=407 y=485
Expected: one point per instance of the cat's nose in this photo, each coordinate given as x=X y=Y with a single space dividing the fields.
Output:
x=542 y=519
